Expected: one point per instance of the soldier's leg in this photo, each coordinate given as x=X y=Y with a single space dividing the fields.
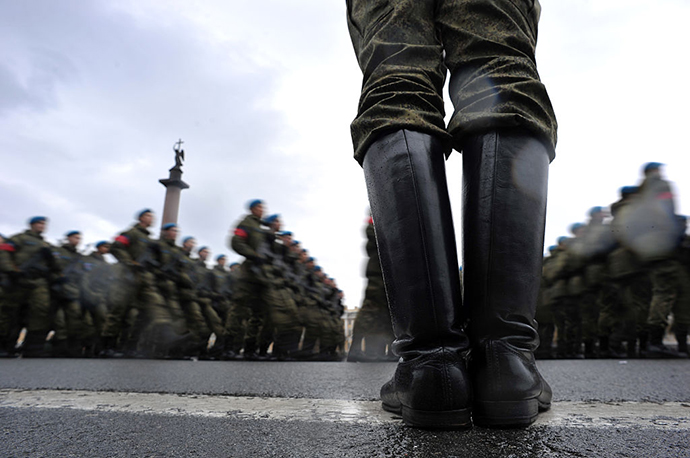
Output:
x=59 y=346
x=312 y=329
x=120 y=299
x=38 y=318
x=681 y=312
x=665 y=287
x=74 y=320
x=590 y=318
x=214 y=324
x=9 y=321
x=284 y=317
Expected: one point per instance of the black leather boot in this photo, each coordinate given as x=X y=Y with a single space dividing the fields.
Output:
x=406 y=182
x=656 y=347
x=504 y=210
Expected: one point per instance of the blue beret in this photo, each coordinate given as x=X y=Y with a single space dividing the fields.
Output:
x=317 y=268
x=234 y=264
x=220 y=256
x=627 y=190
x=187 y=239
x=310 y=259
x=286 y=233
x=38 y=219
x=594 y=210
x=651 y=166
x=295 y=243
x=71 y=233
x=169 y=226
x=143 y=212
x=460 y=268
x=202 y=249
x=254 y=203
x=553 y=247
x=575 y=226
x=562 y=239
x=271 y=218
x=101 y=243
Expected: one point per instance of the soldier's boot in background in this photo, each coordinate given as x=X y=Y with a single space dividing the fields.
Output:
x=406 y=182
x=75 y=349
x=5 y=350
x=643 y=338
x=286 y=346
x=35 y=345
x=656 y=347
x=504 y=212
x=590 y=349
x=109 y=348
x=59 y=348
x=681 y=332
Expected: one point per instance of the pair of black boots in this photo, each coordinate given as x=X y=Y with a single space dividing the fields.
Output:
x=472 y=361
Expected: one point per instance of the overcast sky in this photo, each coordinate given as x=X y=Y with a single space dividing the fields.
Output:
x=93 y=95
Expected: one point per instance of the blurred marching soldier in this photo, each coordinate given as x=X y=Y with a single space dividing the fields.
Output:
x=282 y=324
x=373 y=322
x=221 y=287
x=65 y=298
x=170 y=279
x=624 y=317
x=134 y=287
x=596 y=243
x=235 y=323
x=94 y=290
x=650 y=227
x=189 y=299
x=332 y=337
x=248 y=312
x=29 y=263
x=313 y=300
x=564 y=308
x=203 y=278
x=544 y=315
x=575 y=271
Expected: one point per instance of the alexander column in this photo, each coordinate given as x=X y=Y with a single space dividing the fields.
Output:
x=174 y=186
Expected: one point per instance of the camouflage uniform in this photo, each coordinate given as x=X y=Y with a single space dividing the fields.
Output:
x=30 y=264
x=134 y=287
x=404 y=48
x=66 y=298
x=95 y=282
x=203 y=279
x=249 y=306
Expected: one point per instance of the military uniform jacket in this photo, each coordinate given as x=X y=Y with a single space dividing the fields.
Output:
x=29 y=254
x=96 y=280
x=246 y=241
x=67 y=285
x=132 y=246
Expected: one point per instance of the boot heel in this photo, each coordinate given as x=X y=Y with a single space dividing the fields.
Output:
x=448 y=419
x=505 y=413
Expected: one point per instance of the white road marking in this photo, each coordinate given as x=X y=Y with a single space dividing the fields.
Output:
x=669 y=415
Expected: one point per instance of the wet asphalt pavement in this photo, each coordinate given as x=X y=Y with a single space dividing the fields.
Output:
x=36 y=429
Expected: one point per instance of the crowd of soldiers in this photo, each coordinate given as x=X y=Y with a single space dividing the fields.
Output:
x=158 y=301
x=615 y=287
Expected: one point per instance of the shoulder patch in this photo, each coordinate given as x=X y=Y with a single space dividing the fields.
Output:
x=7 y=247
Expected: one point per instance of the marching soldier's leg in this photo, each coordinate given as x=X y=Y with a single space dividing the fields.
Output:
x=38 y=319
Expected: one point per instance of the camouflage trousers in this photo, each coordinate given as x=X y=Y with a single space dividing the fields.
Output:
x=405 y=47
x=665 y=276
x=135 y=290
